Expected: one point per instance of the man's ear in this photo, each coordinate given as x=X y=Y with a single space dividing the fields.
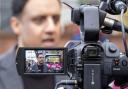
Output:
x=15 y=25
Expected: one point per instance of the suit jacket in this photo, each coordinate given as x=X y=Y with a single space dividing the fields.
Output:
x=9 y=78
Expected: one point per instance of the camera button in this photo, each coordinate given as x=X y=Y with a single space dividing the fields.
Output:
x=124 y=63
x=112 y=49
x=116 y=62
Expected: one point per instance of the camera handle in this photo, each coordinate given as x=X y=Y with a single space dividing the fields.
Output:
x=90 y=24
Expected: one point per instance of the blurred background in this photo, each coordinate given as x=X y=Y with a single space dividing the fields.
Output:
x=70 y=30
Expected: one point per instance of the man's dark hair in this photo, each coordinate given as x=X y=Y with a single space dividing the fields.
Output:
x=18 y=6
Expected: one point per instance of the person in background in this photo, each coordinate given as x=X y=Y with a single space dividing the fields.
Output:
x=40 y=66
x=36 y=24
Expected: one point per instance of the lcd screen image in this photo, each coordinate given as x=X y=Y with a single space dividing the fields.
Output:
x=44 y=61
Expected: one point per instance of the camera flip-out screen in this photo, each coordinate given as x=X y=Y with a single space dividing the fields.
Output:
x=41 y=60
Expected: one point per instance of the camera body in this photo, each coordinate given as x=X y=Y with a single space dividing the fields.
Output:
x=90 y=63
x=93 y=65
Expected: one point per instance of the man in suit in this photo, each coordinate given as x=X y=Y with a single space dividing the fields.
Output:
x=36 y=24
x=40 y=66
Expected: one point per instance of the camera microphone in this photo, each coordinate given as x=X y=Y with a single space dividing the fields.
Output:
x=114 y=24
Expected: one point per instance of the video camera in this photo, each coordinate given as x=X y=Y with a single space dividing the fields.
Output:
x=90 y=63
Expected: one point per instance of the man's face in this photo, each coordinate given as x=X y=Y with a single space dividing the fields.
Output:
x=39 y=24
x=40 y=59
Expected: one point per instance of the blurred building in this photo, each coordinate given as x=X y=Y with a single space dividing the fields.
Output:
x=6 y=41
x=7 y=38
x=5 y=13
x=66 y=11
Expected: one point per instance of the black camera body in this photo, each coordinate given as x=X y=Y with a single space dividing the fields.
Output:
x=90 y=63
